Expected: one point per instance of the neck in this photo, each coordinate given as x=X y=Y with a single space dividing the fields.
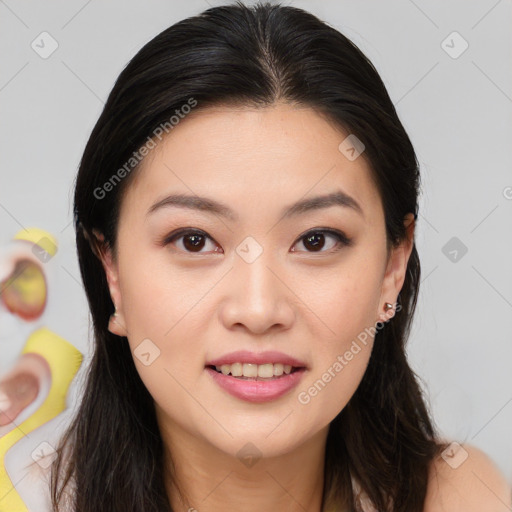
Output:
x=205 y=479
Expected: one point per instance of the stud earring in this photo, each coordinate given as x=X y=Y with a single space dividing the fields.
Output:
x=387 y=306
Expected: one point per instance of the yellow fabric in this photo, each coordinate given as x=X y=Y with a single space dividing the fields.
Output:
x=64 y=361
x=39 y=237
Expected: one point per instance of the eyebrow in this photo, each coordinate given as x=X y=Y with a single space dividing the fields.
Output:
x=337 y=198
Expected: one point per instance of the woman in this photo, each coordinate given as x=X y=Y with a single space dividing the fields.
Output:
x=245 y=211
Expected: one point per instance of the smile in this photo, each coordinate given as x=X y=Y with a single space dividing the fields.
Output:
x=252 y=370
x=256 y=389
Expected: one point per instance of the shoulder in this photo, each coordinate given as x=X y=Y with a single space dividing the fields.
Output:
x=464 y=479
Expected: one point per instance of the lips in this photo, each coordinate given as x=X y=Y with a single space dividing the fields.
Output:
x=229 y=373
x=256 y=390
x=259 y=358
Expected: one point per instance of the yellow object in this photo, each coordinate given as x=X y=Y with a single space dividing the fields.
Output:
x=64 y=361
x=39 y=237
x=24 y=292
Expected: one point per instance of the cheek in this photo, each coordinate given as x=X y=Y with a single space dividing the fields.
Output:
x=348 y=306
x=164 y=317
x=154 y=298
x=339 y=366
x=328 y=390
x=347 y=300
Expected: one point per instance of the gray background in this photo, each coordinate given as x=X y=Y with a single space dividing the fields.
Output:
x=456 y=108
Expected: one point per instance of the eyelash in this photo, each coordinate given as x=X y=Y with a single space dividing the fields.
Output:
x=343 y=240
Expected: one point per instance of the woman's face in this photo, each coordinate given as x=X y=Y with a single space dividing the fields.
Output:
x=194 y=284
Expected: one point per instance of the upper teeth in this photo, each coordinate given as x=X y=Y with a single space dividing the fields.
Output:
x=254 y=370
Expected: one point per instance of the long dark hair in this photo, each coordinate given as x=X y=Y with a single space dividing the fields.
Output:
x=112 y=455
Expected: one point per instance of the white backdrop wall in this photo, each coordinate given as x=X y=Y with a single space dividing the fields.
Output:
x=448 y=69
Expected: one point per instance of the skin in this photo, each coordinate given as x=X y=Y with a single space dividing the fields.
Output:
x=474 y=486
x=198 y=306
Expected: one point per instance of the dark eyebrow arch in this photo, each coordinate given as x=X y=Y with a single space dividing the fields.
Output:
x=337 y=198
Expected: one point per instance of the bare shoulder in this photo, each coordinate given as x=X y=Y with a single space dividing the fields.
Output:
x=465 y=479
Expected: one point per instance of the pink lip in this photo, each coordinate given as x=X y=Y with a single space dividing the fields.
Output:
x=244 y=356
x=257 y=390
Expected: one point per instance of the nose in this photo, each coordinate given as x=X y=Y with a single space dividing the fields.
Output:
x=257 y=297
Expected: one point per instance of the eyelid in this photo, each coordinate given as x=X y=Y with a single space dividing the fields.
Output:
x=336 y=233
x=167 y=239
x=342 y=238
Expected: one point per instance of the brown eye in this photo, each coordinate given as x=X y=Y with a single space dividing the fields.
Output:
x=191 y=241
x=315 y=241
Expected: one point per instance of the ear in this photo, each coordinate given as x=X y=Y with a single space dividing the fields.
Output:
x=396 y=270
x=104 y=252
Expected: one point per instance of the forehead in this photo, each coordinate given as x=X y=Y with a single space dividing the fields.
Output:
x=249 y=156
